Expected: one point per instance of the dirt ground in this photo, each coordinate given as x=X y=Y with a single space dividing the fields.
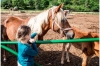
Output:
x=50 y=54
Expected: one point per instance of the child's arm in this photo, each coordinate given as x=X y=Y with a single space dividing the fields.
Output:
x=30 y=51
x=32 y=38
x=33 y=41
x=34 y=47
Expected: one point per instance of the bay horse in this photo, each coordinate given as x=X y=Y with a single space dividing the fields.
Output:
x=52 y=18
x=88 y=48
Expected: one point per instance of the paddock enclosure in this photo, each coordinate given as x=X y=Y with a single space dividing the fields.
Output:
x=50 y=54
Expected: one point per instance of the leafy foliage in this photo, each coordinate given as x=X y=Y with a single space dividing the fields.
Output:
x=73 y=5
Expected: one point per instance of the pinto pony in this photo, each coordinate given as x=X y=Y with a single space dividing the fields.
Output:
x=53 y=18
x=88 y=48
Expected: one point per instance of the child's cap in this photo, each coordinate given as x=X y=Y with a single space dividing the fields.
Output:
x=33 y=35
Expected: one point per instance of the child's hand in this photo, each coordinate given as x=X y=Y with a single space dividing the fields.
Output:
x=32 y=40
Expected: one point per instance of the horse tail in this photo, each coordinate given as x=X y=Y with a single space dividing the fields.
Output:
x=3 y=33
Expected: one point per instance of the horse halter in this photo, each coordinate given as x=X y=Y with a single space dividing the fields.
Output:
x=63 y=29
x=53 y=19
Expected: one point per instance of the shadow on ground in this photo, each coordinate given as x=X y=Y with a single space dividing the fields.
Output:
x=49 y=58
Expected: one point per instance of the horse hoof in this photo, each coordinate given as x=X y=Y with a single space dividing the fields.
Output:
x=4 y=60
x=68 y=60
x=84 y=65
x=62 y=62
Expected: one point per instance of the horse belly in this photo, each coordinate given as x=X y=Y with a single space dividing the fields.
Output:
x=87 y=48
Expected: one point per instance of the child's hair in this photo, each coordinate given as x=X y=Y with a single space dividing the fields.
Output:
x=22 y=31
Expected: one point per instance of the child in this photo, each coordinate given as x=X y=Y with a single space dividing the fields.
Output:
x=25 y=51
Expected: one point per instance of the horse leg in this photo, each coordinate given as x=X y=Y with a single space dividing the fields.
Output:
x=16 y=48
x=63 y=52
x=4 y=56
x=84 y=54
x=67 y=52
x=97 y=53
x=84 y=57
x=4 y=37
x=38 y=38
x=89 y=59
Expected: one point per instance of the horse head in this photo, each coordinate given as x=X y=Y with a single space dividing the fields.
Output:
x=59 y=23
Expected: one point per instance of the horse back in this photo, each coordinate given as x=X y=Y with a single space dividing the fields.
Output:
x=12 y=23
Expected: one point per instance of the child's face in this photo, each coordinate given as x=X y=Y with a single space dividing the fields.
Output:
x=27 y=37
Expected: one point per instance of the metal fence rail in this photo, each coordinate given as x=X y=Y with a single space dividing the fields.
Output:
x=56 y=41
x=45 y=42
x=15 y=53
x=9 y=50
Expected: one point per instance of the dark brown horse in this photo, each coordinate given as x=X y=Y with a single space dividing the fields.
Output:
x=52 y=18
x=4 y=37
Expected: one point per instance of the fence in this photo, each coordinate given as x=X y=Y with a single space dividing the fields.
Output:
x=46 y=42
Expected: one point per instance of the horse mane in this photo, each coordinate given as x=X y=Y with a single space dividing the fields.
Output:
x=36 y=22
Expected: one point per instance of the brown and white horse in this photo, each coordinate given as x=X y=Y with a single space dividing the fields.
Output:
x=88 y=48
x=53 y=18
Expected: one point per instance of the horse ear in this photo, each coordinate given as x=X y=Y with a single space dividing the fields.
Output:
x=65 y=12
x=58 y=8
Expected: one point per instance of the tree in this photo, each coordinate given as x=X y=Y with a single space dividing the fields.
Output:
x=86 y=3
x=75 y=5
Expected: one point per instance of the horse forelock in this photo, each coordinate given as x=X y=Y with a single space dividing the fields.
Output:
x=59 y=15
x=60 y=12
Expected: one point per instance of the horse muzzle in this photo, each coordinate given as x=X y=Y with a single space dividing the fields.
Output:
x=70 y=34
